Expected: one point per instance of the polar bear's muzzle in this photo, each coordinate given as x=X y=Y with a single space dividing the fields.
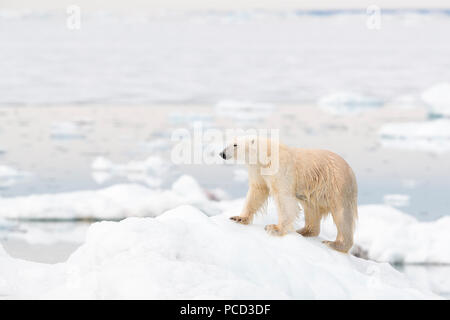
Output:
x=223 y=155
x=227 y=153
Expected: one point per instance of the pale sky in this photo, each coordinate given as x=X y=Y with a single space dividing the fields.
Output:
x=149 y=5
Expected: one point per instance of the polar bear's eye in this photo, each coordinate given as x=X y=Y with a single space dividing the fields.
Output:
x=235 y=145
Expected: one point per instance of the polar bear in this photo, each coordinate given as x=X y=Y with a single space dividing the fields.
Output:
x=320 y=180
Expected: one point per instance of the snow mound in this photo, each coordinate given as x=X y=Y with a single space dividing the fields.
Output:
x=432 y=136
x=347 y=103
x=115 y=202
x=390 y=235
x=183 y=254
x=26 y=280
x=438 y=99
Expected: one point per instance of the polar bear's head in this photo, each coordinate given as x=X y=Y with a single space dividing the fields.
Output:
x=252 y=150
x=240 y=148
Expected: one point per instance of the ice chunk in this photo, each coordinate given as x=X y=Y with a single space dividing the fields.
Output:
x=102 y=164
x=115 y=202
x=67 y=130
x=10 y=176
x=409 y=183
x=393 y=236
x=396 y=200
x=7 y=172
x=431 y=135
x=438 y=99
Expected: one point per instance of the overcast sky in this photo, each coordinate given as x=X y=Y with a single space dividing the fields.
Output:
x=219 y=4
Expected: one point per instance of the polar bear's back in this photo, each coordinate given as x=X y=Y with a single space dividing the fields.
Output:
x=325 y=177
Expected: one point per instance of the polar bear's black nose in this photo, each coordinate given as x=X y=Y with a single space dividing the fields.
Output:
x=222 y=154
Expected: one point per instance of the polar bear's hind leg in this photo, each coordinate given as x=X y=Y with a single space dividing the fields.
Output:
x=344 y=221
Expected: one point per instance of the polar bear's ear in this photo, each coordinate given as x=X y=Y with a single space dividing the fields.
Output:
x=252 y=144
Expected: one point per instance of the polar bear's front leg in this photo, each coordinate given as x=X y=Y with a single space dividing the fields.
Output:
x=288 y=209
x=256 y=197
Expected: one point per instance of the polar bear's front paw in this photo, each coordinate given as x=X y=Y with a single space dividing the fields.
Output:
x=308 y=232
x=242 y=220
x=273 y=230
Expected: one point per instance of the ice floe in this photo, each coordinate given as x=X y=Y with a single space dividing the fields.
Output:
x=9 y=176
x=384 y=233
x=347 y=103
x=115 y=202
x=69 y=130
x=184 y=254
x=438 y=99
x=432 y=136
x=8 y=172
x=409 y=183
x=396 y=200
x=24 y=279
x=149 y=171
x=393 y=236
